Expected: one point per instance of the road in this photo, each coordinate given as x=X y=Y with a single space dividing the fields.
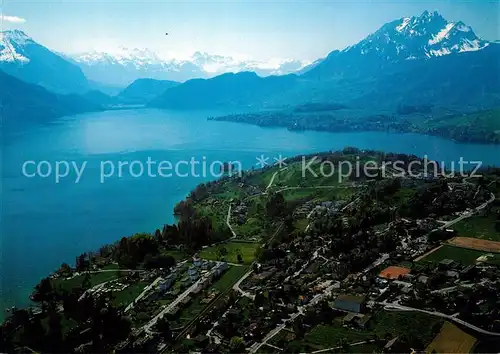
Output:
x=237 y=288
x=300 y=311
x=392 y=306
x=272 y=179
x=257 y=345
x=340 y=347
x=465 y=216
x=228 y=223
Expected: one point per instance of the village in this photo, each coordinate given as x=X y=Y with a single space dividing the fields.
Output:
x=385 y=265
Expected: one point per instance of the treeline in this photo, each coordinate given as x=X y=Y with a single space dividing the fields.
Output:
x=407 y=119
x=98 y=324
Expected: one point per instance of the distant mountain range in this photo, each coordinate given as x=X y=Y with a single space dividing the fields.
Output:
x=126 y=65
x=410 y=61
x=413 y=61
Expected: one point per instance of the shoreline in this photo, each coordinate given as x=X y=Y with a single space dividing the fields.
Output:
x=390 y=131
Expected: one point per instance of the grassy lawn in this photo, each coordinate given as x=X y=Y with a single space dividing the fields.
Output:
x=252 y=228
x=247 y=251
x=178 y=255
x=126 y=296
x=482 y=227
x=301 y=224
x=462 y=255
x=228 y=278
x=328 y=336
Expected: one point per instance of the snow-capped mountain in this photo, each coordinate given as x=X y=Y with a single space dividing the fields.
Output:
x=425 y=36
x=12 y=46
x=407 y=39
x=218 y=64
x=24 y=58
x=124 y=65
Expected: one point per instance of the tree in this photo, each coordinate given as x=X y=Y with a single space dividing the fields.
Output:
x=159 y=261
x=276 y=205
x=54 y=338
x=82 y=262
x=64 y=270
x=86 y=284
x=237 y=345
x=43 y=291
x=163 y=327
x=240 y=258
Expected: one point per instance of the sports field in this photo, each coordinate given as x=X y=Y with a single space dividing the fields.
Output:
x=476 y=244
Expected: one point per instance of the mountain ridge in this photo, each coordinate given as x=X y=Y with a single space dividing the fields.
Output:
x=130 y=64
x=30 y=61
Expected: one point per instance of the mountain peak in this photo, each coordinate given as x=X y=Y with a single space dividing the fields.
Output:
x=12 y=43
x=429 y=15
x=16 y=36
x=425 y=36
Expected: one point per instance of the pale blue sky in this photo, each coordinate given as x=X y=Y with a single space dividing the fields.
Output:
x=257 y=29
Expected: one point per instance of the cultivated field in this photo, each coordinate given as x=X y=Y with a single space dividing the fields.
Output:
x=451 y=339
x=476 y=244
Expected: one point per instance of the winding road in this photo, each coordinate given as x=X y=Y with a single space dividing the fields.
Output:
x=392 y=306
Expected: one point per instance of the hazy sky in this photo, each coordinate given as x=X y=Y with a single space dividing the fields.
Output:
x=255 y=29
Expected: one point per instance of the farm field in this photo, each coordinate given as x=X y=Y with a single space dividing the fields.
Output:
x=451 y=339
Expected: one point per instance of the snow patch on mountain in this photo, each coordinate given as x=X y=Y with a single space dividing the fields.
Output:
x=442 y=34
x=142 y=62
x=12 y=44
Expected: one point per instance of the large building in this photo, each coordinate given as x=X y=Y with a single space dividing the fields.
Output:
x=350 y=303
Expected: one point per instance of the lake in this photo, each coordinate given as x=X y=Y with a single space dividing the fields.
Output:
x=44 y=223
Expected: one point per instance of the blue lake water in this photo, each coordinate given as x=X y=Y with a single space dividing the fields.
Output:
x=44 y=223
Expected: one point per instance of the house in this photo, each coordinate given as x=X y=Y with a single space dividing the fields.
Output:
x=186 y=300
x=447 y=263
x=362 y=320
x=197 y=261
x=220 y=267
x=350 y=303
x=423 y=279
x=166 y=284
x=193 y=273
x=348 y=318
x=173 y=311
